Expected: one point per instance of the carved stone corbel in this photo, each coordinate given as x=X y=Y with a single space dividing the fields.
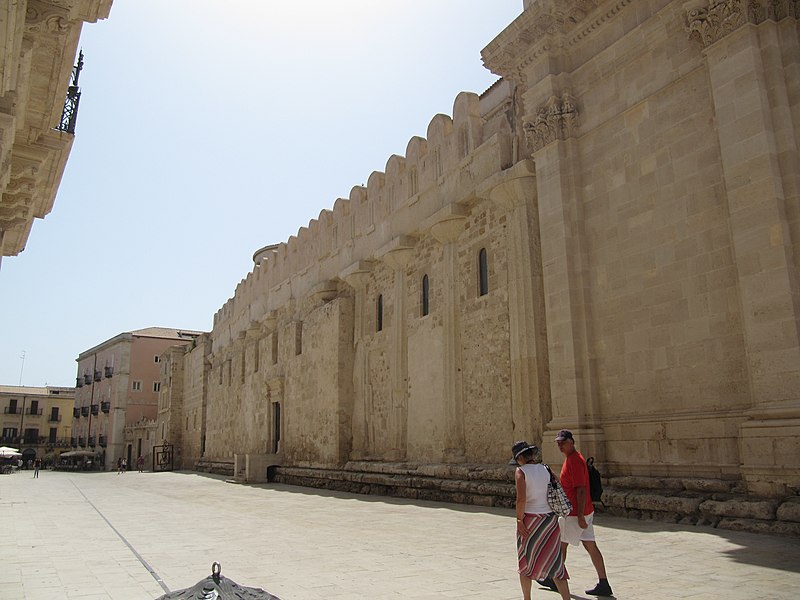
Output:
x=556 y=119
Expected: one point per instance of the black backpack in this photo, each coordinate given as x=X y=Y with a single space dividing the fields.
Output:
x=595 y=482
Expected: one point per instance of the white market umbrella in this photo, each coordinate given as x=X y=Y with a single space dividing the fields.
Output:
x=6 y=452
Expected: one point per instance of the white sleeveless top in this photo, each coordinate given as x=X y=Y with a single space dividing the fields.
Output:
x=536 y=479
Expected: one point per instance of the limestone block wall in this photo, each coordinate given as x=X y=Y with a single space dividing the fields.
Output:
x=632 y=183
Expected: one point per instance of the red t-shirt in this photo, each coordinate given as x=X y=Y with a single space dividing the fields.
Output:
x=574 y=474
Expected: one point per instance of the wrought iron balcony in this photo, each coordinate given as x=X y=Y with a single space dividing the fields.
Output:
x=54 y=418
x=85 y=411
x=79 y=381
x=69 y=115
x=87 y=379
x=105 y=406
x=34 y=412
x=92 y=442
x=76 y=413
x=109 y=371
x=95 y=409
x=81 y=441
x=103 y=441
x=73 y=442
x=12 y=410
x=98 y=375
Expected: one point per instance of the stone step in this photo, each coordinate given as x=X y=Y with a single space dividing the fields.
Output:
x=690 y=501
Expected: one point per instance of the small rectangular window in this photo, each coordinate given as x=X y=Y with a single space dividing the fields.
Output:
x=298 y=339
x=137 y=386
x=156 y=386
x=156 y=358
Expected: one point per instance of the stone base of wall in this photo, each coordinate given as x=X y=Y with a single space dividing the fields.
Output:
x=217 y=466
x=694 y=502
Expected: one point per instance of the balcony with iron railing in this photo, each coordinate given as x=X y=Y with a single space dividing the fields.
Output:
x=12 y=410
x=103 y=441
x=92 y=442
x=84 y=411
x=76 y=413
x=79 y=381
x=73 y=442
x=87 y=379
x=54 y=418
x=98 y=375
x=109 y=372
x=105 y=406
x=81 y=441
x=34 y=412
x=95 y=409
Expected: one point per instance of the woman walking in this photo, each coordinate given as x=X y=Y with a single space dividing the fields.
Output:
x=538 y=534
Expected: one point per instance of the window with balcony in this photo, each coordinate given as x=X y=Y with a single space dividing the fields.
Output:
x=76 y=413
x=108 y=372
x=103 y=441
x=79 y=381
x=84 y=411
x=87 y=379
x=105 y=406
x=31 y=435
x=51 y=439
x=54 y=416
x=11 y=409
x=95 y=409
x=81 y=441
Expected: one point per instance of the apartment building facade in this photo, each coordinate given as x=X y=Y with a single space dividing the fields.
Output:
x=117 y=389
x=37 y=420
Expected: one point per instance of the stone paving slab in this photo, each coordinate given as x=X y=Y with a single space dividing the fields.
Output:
x=93 y=536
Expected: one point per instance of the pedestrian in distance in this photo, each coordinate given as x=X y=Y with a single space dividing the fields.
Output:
x=140 y=463
x=577 y=527
x=539 y=552
x=124 y=465
x=37 y=464
x=119 y=465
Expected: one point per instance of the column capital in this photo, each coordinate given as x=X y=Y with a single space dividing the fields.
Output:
x=512 y=187
x=708 y=21
x=447 y=224
x=556 y=119
x=357 y=275
x=398 y=252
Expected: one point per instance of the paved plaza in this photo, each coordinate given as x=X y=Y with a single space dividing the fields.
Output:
x=135 y=536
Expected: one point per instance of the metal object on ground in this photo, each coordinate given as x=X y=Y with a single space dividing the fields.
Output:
x=217 y=587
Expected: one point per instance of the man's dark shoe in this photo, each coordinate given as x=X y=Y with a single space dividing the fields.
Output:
x=548 y=583
x=601 y=589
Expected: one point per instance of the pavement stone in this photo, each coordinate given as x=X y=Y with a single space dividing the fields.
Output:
x=93 y=536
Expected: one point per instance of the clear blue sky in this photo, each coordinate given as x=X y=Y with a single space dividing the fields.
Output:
x=209 y=129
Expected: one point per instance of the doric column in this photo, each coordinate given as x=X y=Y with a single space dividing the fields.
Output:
x=446 y=231
x=397 y=255
x=749 y=83
x=358 y=276
x=514 y=191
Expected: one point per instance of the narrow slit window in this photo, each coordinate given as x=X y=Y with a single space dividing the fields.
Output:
x=483 y=273
x=379 y=314
x=426 y=305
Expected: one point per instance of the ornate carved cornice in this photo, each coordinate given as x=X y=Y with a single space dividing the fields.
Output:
x=41 y=17
x=546 y=27
x=556 y=119
x=708 y=21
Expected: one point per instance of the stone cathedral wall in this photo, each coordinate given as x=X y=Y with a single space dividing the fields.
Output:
x=634 y=181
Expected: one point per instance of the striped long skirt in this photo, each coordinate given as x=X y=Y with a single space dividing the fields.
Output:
x=539 y=550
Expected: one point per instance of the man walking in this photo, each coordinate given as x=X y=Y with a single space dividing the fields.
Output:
x=577 y=527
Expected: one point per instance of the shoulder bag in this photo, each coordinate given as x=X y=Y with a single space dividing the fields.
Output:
x=557 y=498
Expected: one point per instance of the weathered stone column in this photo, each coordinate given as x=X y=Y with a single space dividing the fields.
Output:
x=357 y=276
x=749 y=89
x=397 y=254
x=550 y=133
x=446 y=232
x=514 y=191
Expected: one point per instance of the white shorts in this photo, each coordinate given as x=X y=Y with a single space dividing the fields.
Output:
x=571 y=532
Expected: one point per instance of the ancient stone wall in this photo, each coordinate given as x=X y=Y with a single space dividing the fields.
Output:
x=606 y=241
